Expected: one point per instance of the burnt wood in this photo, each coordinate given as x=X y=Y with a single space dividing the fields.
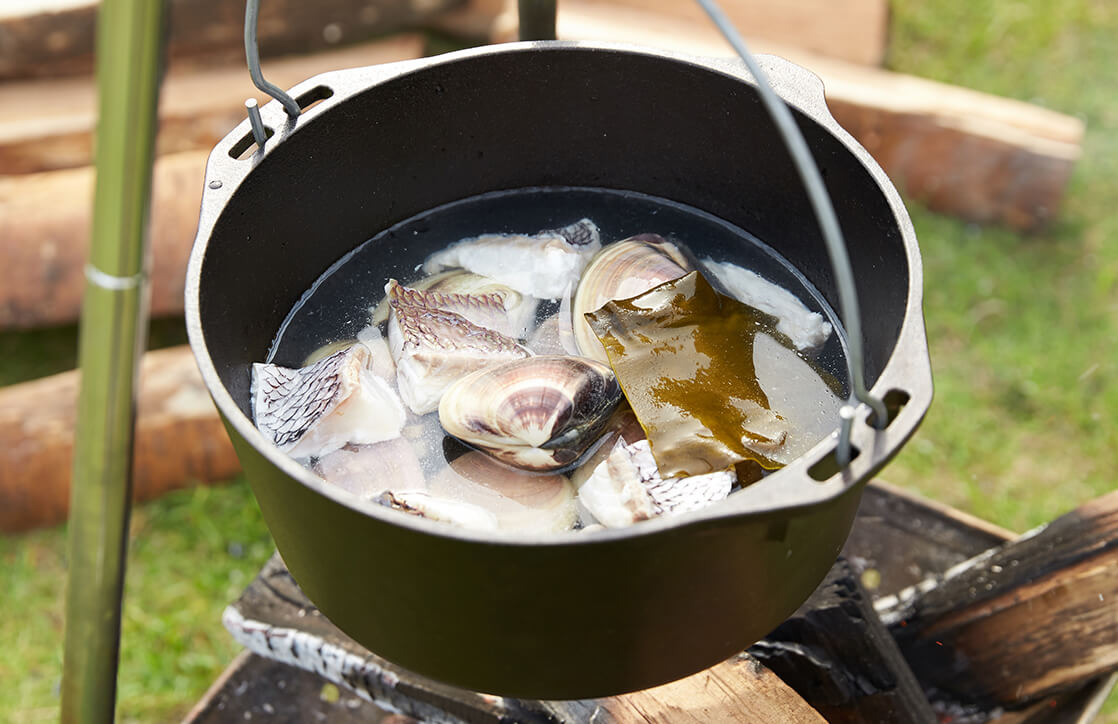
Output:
x=274 y=619
x=1034 y=617
x=837 y=654
x=893 y=527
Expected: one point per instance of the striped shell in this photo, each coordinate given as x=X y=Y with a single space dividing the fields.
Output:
x=622 y=270
x=540 y=413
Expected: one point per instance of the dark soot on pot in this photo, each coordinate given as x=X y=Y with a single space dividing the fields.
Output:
x=337 y=305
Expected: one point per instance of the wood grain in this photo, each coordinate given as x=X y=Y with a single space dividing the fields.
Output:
x=44 y=239
x=965 y=153
x=1034 y=617
x=202 y=32
x=48 y=124
x=180 y=439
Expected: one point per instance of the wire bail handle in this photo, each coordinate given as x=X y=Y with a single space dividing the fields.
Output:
x=252 y=55
x=541 y=14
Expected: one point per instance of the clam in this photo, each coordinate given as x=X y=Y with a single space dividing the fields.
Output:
x=368 y=470
x=314 y=410
x=434 y=347
x=627 y=487
x=540 y=265
x=804 y=328
x=540 y=413
x=619 y=271
x=521 y=501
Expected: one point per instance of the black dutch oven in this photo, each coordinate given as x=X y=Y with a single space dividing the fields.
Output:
x=555 y=616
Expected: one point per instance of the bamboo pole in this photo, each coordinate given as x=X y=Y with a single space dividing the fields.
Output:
x=114 y=315
x=537 y=19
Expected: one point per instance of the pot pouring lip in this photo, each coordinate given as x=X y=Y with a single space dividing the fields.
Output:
x=781 y=493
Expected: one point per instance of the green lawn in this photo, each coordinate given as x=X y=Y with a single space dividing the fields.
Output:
x=1023 y=334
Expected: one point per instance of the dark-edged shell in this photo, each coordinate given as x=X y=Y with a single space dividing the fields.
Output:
x=619 y=271
x=540 y=413
x=521 y=501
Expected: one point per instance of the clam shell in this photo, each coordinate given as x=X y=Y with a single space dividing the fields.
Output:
x=622 y=270
x=368 y=470
x=540 y=413
x=520 y=501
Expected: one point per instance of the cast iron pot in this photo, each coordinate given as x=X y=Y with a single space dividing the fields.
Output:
x=555 y=616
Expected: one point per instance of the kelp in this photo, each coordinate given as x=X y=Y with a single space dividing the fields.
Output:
x=683 y=355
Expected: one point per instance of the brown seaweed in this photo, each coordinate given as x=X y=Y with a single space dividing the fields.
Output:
x=683 y=355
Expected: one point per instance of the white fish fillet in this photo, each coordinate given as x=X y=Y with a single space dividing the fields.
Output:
x=540 y=265
x=434 y=347
x=314 y=410
x=805 y=328
x=510 y=313
x=627 y=488
x=426 y=505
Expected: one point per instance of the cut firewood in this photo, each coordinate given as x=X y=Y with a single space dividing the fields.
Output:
x=1033 y=617
x=48 y=124
x=44 y=239
x=274 y=619
x=852 y=30
x=45 y=44
x=970 y=154
x=839 y=656
x=179 y=439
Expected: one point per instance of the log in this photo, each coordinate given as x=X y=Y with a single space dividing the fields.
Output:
x=179 y=439
x=48 y=124
x=1031 y=618
x=44 y=239
x=839 y=656
x=973 y=155
x=273 y=618
x=51 y=44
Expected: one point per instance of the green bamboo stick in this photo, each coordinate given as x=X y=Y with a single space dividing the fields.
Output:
x=113 y=326
x=537 y=19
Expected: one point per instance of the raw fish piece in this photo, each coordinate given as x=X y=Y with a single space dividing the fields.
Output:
x=806 y=329
x=381 y=363
x=537 y=414
x=616 y=493
x=627 y=488
x=369 y=470
x=509 y=313
x=314 y=410
x=540 y=265
x=683 y=355
x=520 y=501
x=433 y=348
x=426 y=505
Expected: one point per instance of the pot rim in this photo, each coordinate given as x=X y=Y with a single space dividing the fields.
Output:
x=779 y=493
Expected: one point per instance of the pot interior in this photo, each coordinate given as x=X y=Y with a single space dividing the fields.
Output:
x=567 y=117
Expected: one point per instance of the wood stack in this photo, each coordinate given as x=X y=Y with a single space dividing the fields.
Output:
x=834 y=660
x=966 y=153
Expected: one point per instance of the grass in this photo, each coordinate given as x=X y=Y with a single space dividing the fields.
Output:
x=1023 y=332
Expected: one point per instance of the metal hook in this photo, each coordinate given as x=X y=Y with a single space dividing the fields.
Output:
x=252 y=54
x=828 y=222
x=258 y=132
